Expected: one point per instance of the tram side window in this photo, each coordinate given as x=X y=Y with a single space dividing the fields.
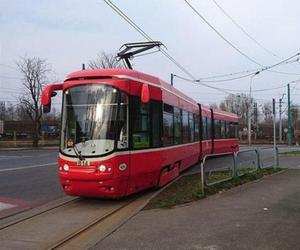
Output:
x=156 y=107
x=185 y=126
x=227 y=129
x=204 y=128
x=217 y=129
x=209 y=128
x=123 y=126
x=223 y=129
x=168 y=125
x=191 y=127
x=177 y=126
x=236 y=130
x=233 y=130
x=196 y=127
x=141 y=124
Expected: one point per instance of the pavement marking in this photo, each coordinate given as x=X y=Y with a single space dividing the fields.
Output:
x=15 y=156
x=28 y=167
x=4 y=206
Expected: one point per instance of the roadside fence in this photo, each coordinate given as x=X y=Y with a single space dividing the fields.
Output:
x=232 y=165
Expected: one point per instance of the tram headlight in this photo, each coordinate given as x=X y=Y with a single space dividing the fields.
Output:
x=66 y=167
x=102 y=168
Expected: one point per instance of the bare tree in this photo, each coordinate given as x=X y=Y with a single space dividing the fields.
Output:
x=238 y=104
x=34 y=72
x=105 y=60
x=267 y=112
x=213 y=105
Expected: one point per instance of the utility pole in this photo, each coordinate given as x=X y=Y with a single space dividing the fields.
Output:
x=255 y=122
x=289 y=135
x=274 y=122
x=280 y=121
x=274 y=132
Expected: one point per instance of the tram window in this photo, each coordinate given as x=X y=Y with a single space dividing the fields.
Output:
x=191 y=127
x=168 y=108
x=204 y=128
x=141 y=126
x=168 y=129
x=217 y=129
x=196 y=127
x=227 y=129
x=209 y=128
x=231 y=130
x=140 y=140
x=156 y=123
x=123 y=126
x=223 y=129
x=185 y=126
x=236 y=130
x=177 y=126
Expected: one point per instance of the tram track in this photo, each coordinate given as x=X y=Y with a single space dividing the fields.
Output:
x=77 y=223
x=15 y=218
x=68 y=242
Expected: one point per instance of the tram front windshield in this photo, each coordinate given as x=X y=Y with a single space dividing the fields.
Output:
x=94 y=118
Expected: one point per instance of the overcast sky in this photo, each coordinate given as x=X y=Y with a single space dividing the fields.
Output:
x=68 y=33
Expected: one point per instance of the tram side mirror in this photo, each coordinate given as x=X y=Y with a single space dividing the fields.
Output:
x=145 y=93
x=47 y=108
x=47 y=94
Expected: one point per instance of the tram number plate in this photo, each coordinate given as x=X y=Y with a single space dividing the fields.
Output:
x=83 y=163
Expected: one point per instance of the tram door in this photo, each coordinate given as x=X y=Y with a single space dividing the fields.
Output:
x=207 y=132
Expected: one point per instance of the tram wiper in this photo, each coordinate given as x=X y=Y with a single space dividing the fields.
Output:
x=78 y=153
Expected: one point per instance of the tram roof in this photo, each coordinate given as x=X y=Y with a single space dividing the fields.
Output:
x=138 y=76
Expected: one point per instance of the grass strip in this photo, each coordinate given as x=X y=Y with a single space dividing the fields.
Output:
x=188 y=188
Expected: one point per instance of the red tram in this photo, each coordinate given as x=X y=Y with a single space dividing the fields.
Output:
x=124 y=131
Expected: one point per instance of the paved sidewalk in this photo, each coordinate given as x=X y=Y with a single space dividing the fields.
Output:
x=258 y=215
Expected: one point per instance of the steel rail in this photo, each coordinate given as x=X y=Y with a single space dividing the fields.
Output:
x=34 y=215
x=85 y=228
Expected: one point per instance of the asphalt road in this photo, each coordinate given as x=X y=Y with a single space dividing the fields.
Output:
x=28 y=178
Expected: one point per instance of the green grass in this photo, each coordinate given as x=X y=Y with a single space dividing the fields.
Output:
x=243 y=171
x=214 y=176
x=188 y=188
x=291 y=153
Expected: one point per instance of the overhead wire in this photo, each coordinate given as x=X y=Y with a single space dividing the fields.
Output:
x=200 y=80
x=222 y=36
x=225 y=39
x=243 y=30
x=145 y=35
x=203 y=84
x=250 y=70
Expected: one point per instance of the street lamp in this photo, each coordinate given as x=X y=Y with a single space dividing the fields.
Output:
x=250 y=108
